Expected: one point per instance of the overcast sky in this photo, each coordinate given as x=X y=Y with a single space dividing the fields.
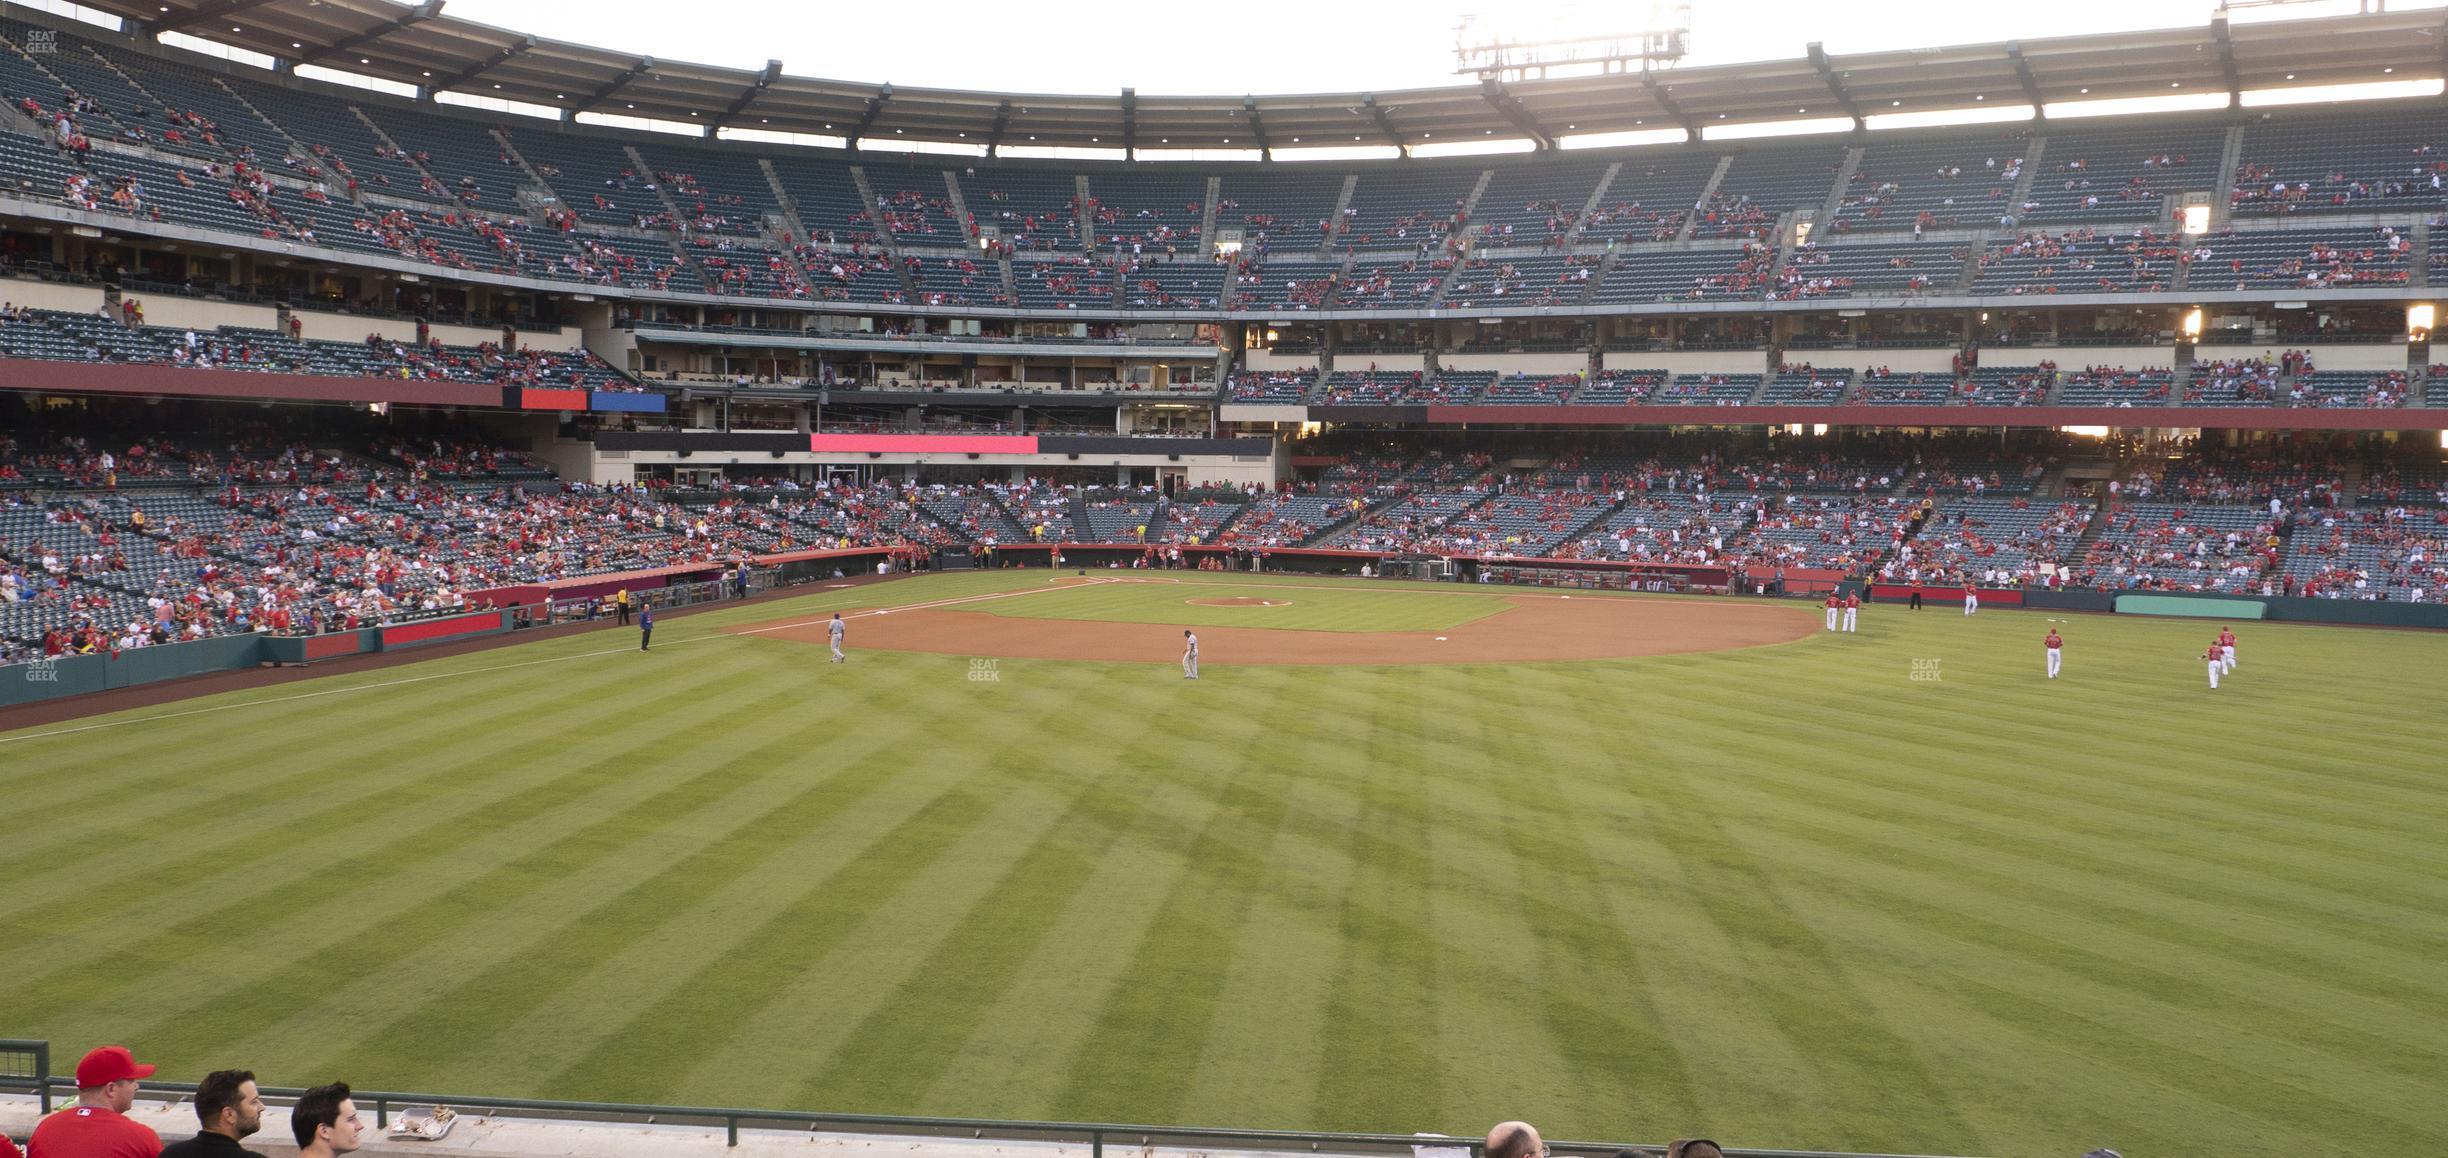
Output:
x=1261 y=46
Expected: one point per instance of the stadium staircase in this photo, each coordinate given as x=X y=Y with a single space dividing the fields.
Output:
x=1972 y=264
x=405 y=157
x=2418 y=247
x=1589 y=294
x=662 y=190
x=958 y=535
x=790 y=207
x=1087 y=214
x=1078 y=513
x=2056 y=388
x=875 y=221
x=1332 y=529
x=535 y=179
x=1599 y=514
x=1597 y=197
x=2350 y=490
x=1470 y=205
x=1334 y=222
x=1691 y=217
x=960 y=211
x=1003 y=269
x=2031 y=173
x=1238 y=509
x=1453 y=273
x=1835 y=199
x=299 y=149
x=1207 y=219
x=2230 y=155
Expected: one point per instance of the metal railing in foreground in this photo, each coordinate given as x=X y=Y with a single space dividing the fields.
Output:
x=1095 y=1135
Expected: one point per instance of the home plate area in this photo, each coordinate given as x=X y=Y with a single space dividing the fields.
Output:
x=1525 y=628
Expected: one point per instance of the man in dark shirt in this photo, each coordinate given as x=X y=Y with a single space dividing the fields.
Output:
x=229 y=1108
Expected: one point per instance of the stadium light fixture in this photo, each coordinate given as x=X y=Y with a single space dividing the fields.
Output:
x=2419 y=319
x=2191 y=326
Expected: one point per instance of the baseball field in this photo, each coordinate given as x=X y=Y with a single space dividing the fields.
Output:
x=1405 y=857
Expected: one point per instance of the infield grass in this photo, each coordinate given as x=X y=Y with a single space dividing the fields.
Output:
x=1784 y=896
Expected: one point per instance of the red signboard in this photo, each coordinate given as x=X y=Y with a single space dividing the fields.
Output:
x=552 y=399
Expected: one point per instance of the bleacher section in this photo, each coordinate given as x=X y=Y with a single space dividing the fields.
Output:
x=2121 y=173
x=2161 y=546
x=1766 y=181
x=1028 y=208
x=1945 y=180
x=183 y=116
x=1707 y=390
x=2303 y=259
x=1152 y=210
x=2310 y=163
x=1976 y=536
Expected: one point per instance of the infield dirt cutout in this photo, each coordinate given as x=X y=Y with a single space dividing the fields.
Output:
x=1237 y=601
x=1530 y=628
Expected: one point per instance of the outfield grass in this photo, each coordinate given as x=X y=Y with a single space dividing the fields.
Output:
x=1783 y=896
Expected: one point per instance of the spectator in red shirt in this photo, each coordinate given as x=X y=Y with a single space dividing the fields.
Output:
x=9 y=1149
x=97 y=1126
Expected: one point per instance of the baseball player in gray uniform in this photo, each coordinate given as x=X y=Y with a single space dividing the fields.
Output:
x=1189 y=655
x=834 y=630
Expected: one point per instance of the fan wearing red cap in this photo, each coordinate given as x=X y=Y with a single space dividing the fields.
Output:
x=97 y=1125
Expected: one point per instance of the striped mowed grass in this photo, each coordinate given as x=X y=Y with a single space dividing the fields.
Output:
x=1785 y=896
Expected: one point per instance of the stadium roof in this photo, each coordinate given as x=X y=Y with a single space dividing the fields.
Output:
x=425 y=47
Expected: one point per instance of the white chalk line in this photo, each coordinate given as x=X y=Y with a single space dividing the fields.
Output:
x=406 y=680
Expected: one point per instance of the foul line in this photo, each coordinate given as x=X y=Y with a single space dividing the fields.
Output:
x=402 y=682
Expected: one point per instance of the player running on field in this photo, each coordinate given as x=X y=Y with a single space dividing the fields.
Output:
x=2227 y=648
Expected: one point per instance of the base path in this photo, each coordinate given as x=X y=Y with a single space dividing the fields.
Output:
x=1530 y=629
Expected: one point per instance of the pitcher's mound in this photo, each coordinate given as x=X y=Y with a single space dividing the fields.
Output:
x=1236 y=601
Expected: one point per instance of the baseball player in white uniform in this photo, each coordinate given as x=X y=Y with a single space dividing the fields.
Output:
x=2217 y=660
x=834 y=631
x=1852 y=611
x=2056 y=651
x=1832 y=605
x=1971 y=599
x=1189 y=655
x=2227 y=649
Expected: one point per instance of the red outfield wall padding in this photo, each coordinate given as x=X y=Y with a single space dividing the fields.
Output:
x=337 y=643
x=2002 y=596
x=457 y=625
